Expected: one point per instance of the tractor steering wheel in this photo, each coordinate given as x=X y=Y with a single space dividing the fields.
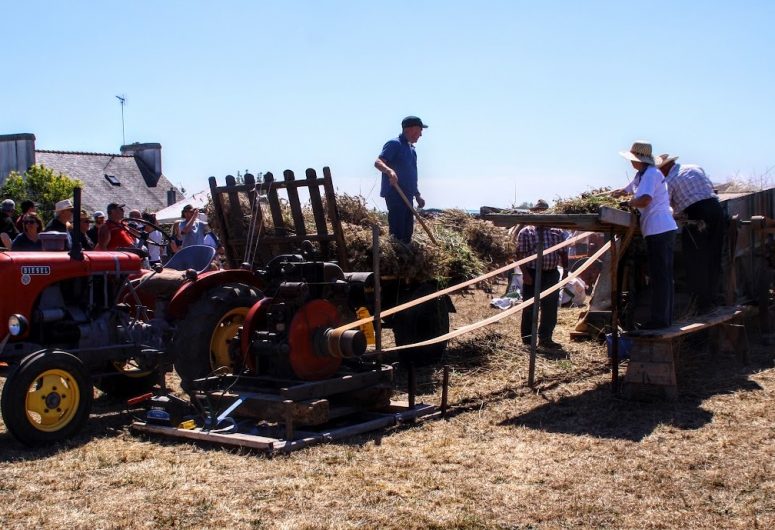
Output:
x=165 y=239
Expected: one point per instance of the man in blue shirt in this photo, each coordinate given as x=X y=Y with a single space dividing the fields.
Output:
x=398 y=164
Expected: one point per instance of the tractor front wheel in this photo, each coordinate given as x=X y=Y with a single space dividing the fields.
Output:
x=46 y=398
x=203 y=340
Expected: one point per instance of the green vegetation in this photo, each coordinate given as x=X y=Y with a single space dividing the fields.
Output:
x=40 y=185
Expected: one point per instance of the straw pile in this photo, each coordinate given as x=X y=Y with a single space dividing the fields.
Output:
x=467 y=247
x=588 y=202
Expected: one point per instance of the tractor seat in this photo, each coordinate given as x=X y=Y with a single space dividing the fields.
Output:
x=197 y=257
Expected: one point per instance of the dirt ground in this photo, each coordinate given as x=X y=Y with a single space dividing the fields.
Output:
x=566 y=454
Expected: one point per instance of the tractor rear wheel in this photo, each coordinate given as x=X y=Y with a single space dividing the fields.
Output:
x=203 y=340
x=46 y=398
x=423 y=322
x=127 y=378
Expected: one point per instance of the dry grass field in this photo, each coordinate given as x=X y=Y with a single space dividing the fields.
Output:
x=567 y=454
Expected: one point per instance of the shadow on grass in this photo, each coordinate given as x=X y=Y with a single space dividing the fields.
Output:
x=109 y=418
x=598 y=412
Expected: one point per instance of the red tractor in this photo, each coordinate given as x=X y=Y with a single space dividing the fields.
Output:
x=70 y=324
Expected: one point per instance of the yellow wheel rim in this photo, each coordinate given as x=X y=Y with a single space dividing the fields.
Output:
x=223 y=334
x=52 y=400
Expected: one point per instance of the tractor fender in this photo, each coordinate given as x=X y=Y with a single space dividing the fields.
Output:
x=191 y=291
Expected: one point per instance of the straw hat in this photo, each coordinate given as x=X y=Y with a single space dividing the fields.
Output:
x=665 y=159
x=639 y=152
x=66 y=204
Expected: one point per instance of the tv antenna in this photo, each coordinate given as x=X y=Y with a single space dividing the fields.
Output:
x=122 y=99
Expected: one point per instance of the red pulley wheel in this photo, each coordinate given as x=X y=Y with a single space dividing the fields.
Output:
x=307 y=364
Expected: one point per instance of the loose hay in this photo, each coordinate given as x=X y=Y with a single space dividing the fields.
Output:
x=567 y=454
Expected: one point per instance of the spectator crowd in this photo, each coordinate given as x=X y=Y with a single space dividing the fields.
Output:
x=20 y=230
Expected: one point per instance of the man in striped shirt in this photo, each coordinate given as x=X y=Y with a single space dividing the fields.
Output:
x=692 y=195
x=527 y=245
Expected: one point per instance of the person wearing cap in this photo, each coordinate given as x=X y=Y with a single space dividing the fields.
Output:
x=527 y=245
x=154 y=238
x=398 y=164
x=651 y=198
x=87 y=243
x=692 y=195
x=99 y=220
x=27 y=206
x=114 y=234
x=28 y=240
x=63 y=216
x=191 y=230
x=8 y=231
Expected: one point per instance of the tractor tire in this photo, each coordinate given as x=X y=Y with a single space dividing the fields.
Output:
x=425 y=321
x=46 y=398
x=120 y=382
x=202 y=342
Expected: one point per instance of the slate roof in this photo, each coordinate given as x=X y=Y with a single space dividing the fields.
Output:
x=130 y=171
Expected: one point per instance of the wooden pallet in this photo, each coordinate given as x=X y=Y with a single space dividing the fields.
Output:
x=262 y=439
x=231 y=201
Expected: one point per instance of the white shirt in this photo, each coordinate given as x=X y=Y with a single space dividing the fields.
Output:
x=154 y=251
x=657 y=217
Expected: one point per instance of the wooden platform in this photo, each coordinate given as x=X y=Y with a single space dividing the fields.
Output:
x=651 y=371
x=609 y=219
x=262 y=438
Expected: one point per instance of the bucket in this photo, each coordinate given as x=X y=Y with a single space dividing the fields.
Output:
x=625 y=345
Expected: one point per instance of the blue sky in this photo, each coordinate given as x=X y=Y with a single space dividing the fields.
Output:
x=524 y=99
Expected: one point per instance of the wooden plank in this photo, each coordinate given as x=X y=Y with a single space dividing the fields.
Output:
x=293 y=200
x=236 y=218
x=255 y=225
x=328 y=387
x=238 y=439
x=232 y=249
x=274 y=204
x=651 y=351
x=582 y=221
x=651 y=373
x=614 y=216
x=335 y=219
x=319 y=212
x=720 y=315
x=271 y=407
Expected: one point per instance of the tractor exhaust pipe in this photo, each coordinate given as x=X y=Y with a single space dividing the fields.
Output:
x=76 y=249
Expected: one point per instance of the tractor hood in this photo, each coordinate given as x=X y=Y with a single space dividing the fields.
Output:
x=24 y=275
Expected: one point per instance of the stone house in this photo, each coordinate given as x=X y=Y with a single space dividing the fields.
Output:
x=133 y=176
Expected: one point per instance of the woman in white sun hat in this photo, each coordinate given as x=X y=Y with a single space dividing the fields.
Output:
x=651 y=198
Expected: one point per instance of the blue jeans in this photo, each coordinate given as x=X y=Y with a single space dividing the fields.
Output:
x=660 y=250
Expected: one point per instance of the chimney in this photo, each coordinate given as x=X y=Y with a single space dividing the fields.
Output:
x=17 y=153
x=172 y=197
x=149 y=159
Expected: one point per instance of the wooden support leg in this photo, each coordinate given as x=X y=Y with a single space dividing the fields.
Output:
x=651 y=370
x=735 y=338
x=288 y=419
